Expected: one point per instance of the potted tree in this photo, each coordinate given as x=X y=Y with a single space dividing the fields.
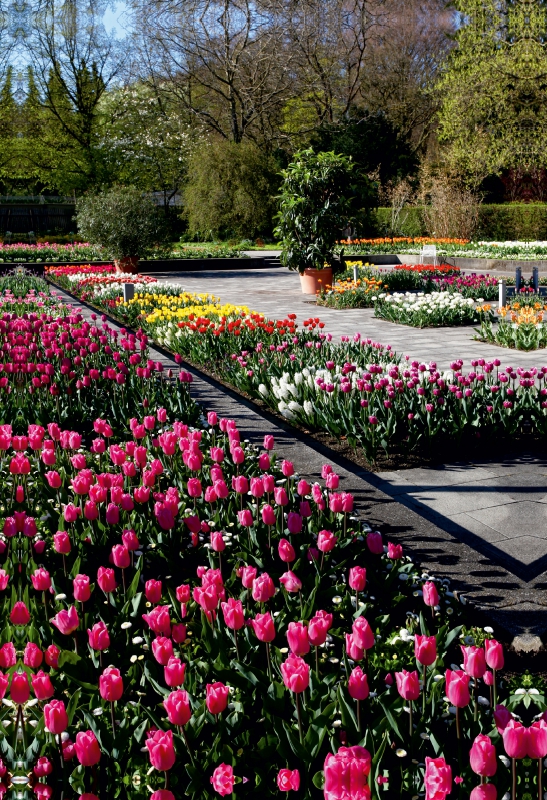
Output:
x=315 y=200
x=125 y=222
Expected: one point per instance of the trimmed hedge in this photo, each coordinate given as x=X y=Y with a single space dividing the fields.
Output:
x=510 y=221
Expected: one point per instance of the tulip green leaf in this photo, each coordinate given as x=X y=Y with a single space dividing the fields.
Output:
x=68 y=657
x=318 y=780
x=391 y=719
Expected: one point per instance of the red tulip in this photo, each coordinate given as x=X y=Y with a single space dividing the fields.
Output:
x=177 y=705
x=408 y=684
x=178 y=632
x=217 y=697
x=19 y=689
x=87 y=748
x=55 y=716
x=425 y=649
x=482 y=756
x=159 y=794
x=358 y=684
x=20 y=614
x=52 y=656
x=111 y=684
x=296 y=673
x=346 y=773
x=502 y=717
x=374 y=542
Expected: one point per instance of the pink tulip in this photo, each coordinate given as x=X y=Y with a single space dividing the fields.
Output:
x=232 y=611
x=268 y=515
x=537 y=739
x=457 y=687
x=430 y=593
x=295 y=673
x=178 y=632
x=326 y=541
x=82 y=588
x=245 y=518
x=286 y=551
x=223 y=780
x=61 y=542
x=294 y=522
x=374 y=542
x=394 y=551
x=98 y=636
x=8 y=655
x=111 y=684
x=217 y=542
x=473 y=661
x=288 y=780
x=162 y=650
x=437 y=778
x=33 y=656
x=482 y=756
x=263 y=588
x=354 y=651
x=248 y=575
x=346 y=773
x=290 y=581
x=153 y=591
x=43 y=767
x=486 y=791
x=55 y=716
x=161 y=750
x=357 y=578
x=159 y=620
x=425 y=649
x=515 y=739
x=41 y=580
x=264 y=628
x=408 y=684
x=177 y=705
x=217 y=697
x=494 y=654
x=52 y=654
x=66 y=621
x=87 y=749
x=358 y=684
x=121 y=556
x=106 y=579
x=42 y=686
x=318 y=627
x=297 y=637
x=174 y=672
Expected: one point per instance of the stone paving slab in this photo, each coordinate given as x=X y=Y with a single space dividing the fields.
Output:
x=276 y=292
x=499 y=582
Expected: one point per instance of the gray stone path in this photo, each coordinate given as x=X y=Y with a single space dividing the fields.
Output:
x=276 y=292
x=453 y=520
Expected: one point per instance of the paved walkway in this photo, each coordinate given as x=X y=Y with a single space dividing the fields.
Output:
x=276 y=292
x=481 y=525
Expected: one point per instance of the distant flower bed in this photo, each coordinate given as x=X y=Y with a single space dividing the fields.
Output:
x=206 y=251
x=421 y=310
x=46 y=251
x=527 y=251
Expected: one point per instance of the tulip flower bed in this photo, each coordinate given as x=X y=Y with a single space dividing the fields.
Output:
x=520 y=325
x=351 y=294
x=185 y=616
x=80 y=251
x=524 y=251
x=438 y=309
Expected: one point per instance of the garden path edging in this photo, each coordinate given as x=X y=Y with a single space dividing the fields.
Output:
x=518 y=606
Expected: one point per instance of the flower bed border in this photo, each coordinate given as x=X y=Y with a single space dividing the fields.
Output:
x=156 y=265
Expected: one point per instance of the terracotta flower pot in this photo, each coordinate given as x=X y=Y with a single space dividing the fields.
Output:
x=313 y=281
x=127 y=264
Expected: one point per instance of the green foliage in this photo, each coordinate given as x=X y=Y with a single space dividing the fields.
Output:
x=497 y=222
x=494 y=109
x=315 y=204
x=123 y=221
x=230 y=189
